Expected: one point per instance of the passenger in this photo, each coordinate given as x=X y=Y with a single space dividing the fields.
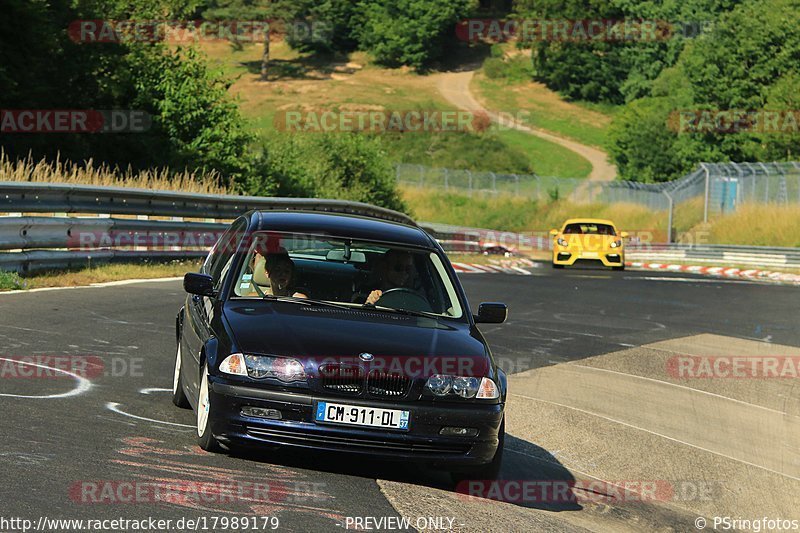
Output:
x=278 y=268
x=396 y=271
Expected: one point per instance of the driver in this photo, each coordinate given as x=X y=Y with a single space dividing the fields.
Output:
x=396 y=269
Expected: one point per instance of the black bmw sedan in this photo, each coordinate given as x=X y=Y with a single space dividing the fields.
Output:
x=339 y=332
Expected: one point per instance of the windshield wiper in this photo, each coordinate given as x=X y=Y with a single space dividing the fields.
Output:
x=305 y=301
x=409 y=312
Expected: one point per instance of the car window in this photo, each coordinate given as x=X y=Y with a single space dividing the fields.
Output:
x=347 y=272
x=221 y=255
x=581 y=228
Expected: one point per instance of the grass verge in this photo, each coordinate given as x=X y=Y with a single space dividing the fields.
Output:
x=100 y=274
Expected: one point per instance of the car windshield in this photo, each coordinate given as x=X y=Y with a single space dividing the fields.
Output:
x=352 y=273
x=588 y=228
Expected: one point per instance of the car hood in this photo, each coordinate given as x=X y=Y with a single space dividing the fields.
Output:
x=290 y=329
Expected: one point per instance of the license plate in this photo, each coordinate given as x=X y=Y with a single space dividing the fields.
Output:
x=592 y=255
x=354 y=415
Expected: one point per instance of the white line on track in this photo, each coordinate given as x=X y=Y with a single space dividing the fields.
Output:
x=692 y=280
x=150 y=390
x=113 y=406
x=681 y=387
x=82 y=386
x=673 y=439
x=93 y=285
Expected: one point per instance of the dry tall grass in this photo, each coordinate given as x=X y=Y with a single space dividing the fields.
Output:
x=751 y=224
x=89 y=173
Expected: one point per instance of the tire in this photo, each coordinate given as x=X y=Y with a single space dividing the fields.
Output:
x=618 y=268
x=489 y=471
x=557 y=266
x=204 y=437
x=178 y=396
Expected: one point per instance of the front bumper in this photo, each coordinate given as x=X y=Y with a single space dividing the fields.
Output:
x=568 y=256
x=297 y=427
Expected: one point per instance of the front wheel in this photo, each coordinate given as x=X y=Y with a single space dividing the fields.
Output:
x=489 y=471
x=557 y=266
x=622 y=267
x=204 y=437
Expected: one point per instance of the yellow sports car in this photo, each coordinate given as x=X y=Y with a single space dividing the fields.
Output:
x=589 y=239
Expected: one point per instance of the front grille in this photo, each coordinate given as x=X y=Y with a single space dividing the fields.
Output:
x=341 y=378
x=353 y=443
x=387 y=384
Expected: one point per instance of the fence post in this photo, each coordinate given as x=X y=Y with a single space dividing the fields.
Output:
x=705 y=203
x=494 y=182
x=516 y=185
x=469 y=182
x=421 y=176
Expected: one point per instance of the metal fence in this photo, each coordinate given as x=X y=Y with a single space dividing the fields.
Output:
x=724 y=186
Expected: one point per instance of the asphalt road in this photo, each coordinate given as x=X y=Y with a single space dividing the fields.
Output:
x=78 y=448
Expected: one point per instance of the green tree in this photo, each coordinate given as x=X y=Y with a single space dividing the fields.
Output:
x=409 y=32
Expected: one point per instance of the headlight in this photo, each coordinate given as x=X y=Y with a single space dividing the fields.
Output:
x=562 y=242
x=280 y=368
x=466 y=387
x=616 y=244
x=440 y=384
x=261 y=366
x=463 y=386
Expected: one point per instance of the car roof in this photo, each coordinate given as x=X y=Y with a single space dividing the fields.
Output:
x=589 y=221
x=340 y=225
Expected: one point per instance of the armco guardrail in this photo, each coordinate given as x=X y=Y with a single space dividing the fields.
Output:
x=35 y=243
x=41 y=242
x=29 y=197
x=758 y=256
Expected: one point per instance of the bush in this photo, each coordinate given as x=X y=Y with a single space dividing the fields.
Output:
x=344 y=166
x=11 y=281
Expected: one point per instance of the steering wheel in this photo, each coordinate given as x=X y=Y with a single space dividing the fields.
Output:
x=402 y=298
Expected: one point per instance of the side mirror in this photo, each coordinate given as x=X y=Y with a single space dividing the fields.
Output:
x=199 y=284
x=623 y=234
x=553 y=232
x=491 y=313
